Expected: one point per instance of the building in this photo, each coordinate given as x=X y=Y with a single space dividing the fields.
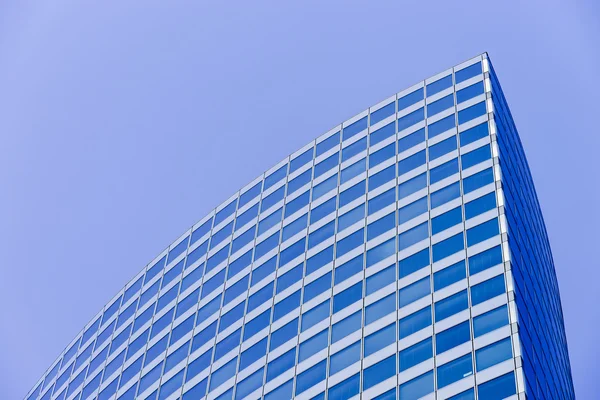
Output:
x=402 y=254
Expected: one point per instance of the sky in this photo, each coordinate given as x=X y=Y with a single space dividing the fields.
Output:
x=122 y=123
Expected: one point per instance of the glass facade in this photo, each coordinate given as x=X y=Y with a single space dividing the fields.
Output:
x=389 y=258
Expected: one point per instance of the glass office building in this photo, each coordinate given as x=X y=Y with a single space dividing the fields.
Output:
x=401 y=255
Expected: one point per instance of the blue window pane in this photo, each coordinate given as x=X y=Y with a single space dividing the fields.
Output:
x=488 y=289
x=281 y=364
x=347 y=297
x=262 y=296
x=381 y=279
x=414 y=263
x=253 y=354
x=237 y=289
x=413 y=235
x=182 y=329
x=467 y=72
x=380 y=339
x=411 y=119
x=130 y=310
x=248 y=195
x=328 y=143
x=283 y=334
x=282 y=392
x=202 y=230
x=380 y=156
x=344 y=358
x=411 y=140
x=412 y=210
x=480 y=205
x=190 y=301
x=482 y=232
x=443 y=171
x=243 y=239
x=269 y=222
x=440 y=105
x=351 y=217
x=133 y=289
x=327 y=164
x=294 y=227
x=272 y=199
x=415 y=354
x=275 y=177
x=315 y=315
x=454 y=371
x=131 y=371
x=354 y=149
x=493 y=354
x=382 y=133
x=445 y=195
x=225 y=212
x=411 y=186
x=451 y=305
x=499 y=388
x=257 y=324
x=217 y=258
x=297 y=204
x=176 y=357
x=316 y=287
x=382 y=113
x=346 y=389
x=382 y=177
x=322 y=210
x=172 y=274
x=354 y=128
x=383 y=200
x=485 y=260
x=325 y=187
x=417 y=387
x=490 y=321
x=209 y=309
x=381 y=252
x=472 y=112
x=381 y=226
x=249 y=384
x=311 y=377
x=447 y=247
x=231 y=316
x=478 y=180
x=286 y=305
x=389 y=395
x=112 y=366
x=380 y=308
x=150 y=273
x=204 y=336
x=163 y=300
x=313 y=345
x=196 y=254
x=350 y=242
x=289 y=278
x=197 y=392
x=450 y=338
x=415 y=322
x=213 y=283
x=412 y=162
x=353 y=170
x=446 y=220
x=442 y=148
x=410 y=99
x=318 y=260
x=321 y=234
x=473 y=134
x=239 y=264
x=469 y=92
x=379 y=372
x=150 y=377
x=449 y=275
x=441 y=126
x=173 y=254
x=265 y=269
x=466 y=395
x=414 y=292
x=116 y=343
x=291 y=252
x=162 y=323
x=348 y=269
x=439 y=85
x=223 y=374
x=300 y=160
x=346 y=326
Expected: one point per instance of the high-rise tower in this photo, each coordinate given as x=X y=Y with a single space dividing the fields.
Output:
x=402 y=254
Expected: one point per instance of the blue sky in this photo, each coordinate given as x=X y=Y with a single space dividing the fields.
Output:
x=123 y=123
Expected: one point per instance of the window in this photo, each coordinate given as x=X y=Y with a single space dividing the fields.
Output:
x=322 y=210
x=355 y=148
x=468 y=72
x=315 y=315
x=382 y=133
x=182 y=329
x=450 y=338
x=443 y=171
x=381 y=226
x=414 y=263
x=294 y=227
x=379 y=372
x=217 y=258
x=441 y=126
x=411 y=186
x=266 y=245
x=466 y=395
x=353 y=170
x=299 y=181
x=257 y=324
x=221 y=375
x=324 y=187
x=286 y=305
x=297 y=204
x=291 y=252
x=348 y=269
x=446 y=220
x=176 y=357
x=172 y=274
x=253 y=353
x=469 y=92
x=353 y=193
x=225 y=212
x=413 y=236
x=451 y=305
x=249 y=385
x=484 y=260
x=381 y=252
x=283 y=334
x=275 y=177
x=493 y=354
x=480 y=205
x=383 y=200
x=490 y=321
x=454 y=371
x=311 y=377
x=313 y=345
x=382 y=155
x=347 y=297
x=329 y=143
x=412 y=210
x=415 y=322
x=482 y=232
x=244 y=199
x=382 y=113
x=213 y=283
x=411 y=140
x=300 y=160
x=449 y=275
x=380 y=308
x=444 y=195
x=382 y=177
x=475 y=133
x=447 y=247
x=416 y=354
x=289 y=278
x=499 y=388
x=410 y=119
x=442 y=148
x=281 y=364
x=351 y=217
x=380 y=339
x=346 y=326
x=282 y=392
x=410 y=99
x=412 y=162
x=316 y=287
x=472 y=112
x=209 y=309
x=196 y=254
x=478 y=180
x=320 y=259
x=381 y=279
x=354 y=128
x=440 y=105
x=262 y=296
x=327 y=164
x=439 y=85
x=488 y=289
x=231 y=316
x=236 y=266
x=321 y=234
x=414 y=292
x=344 y=358
x=417 y=387
x=204 y=336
